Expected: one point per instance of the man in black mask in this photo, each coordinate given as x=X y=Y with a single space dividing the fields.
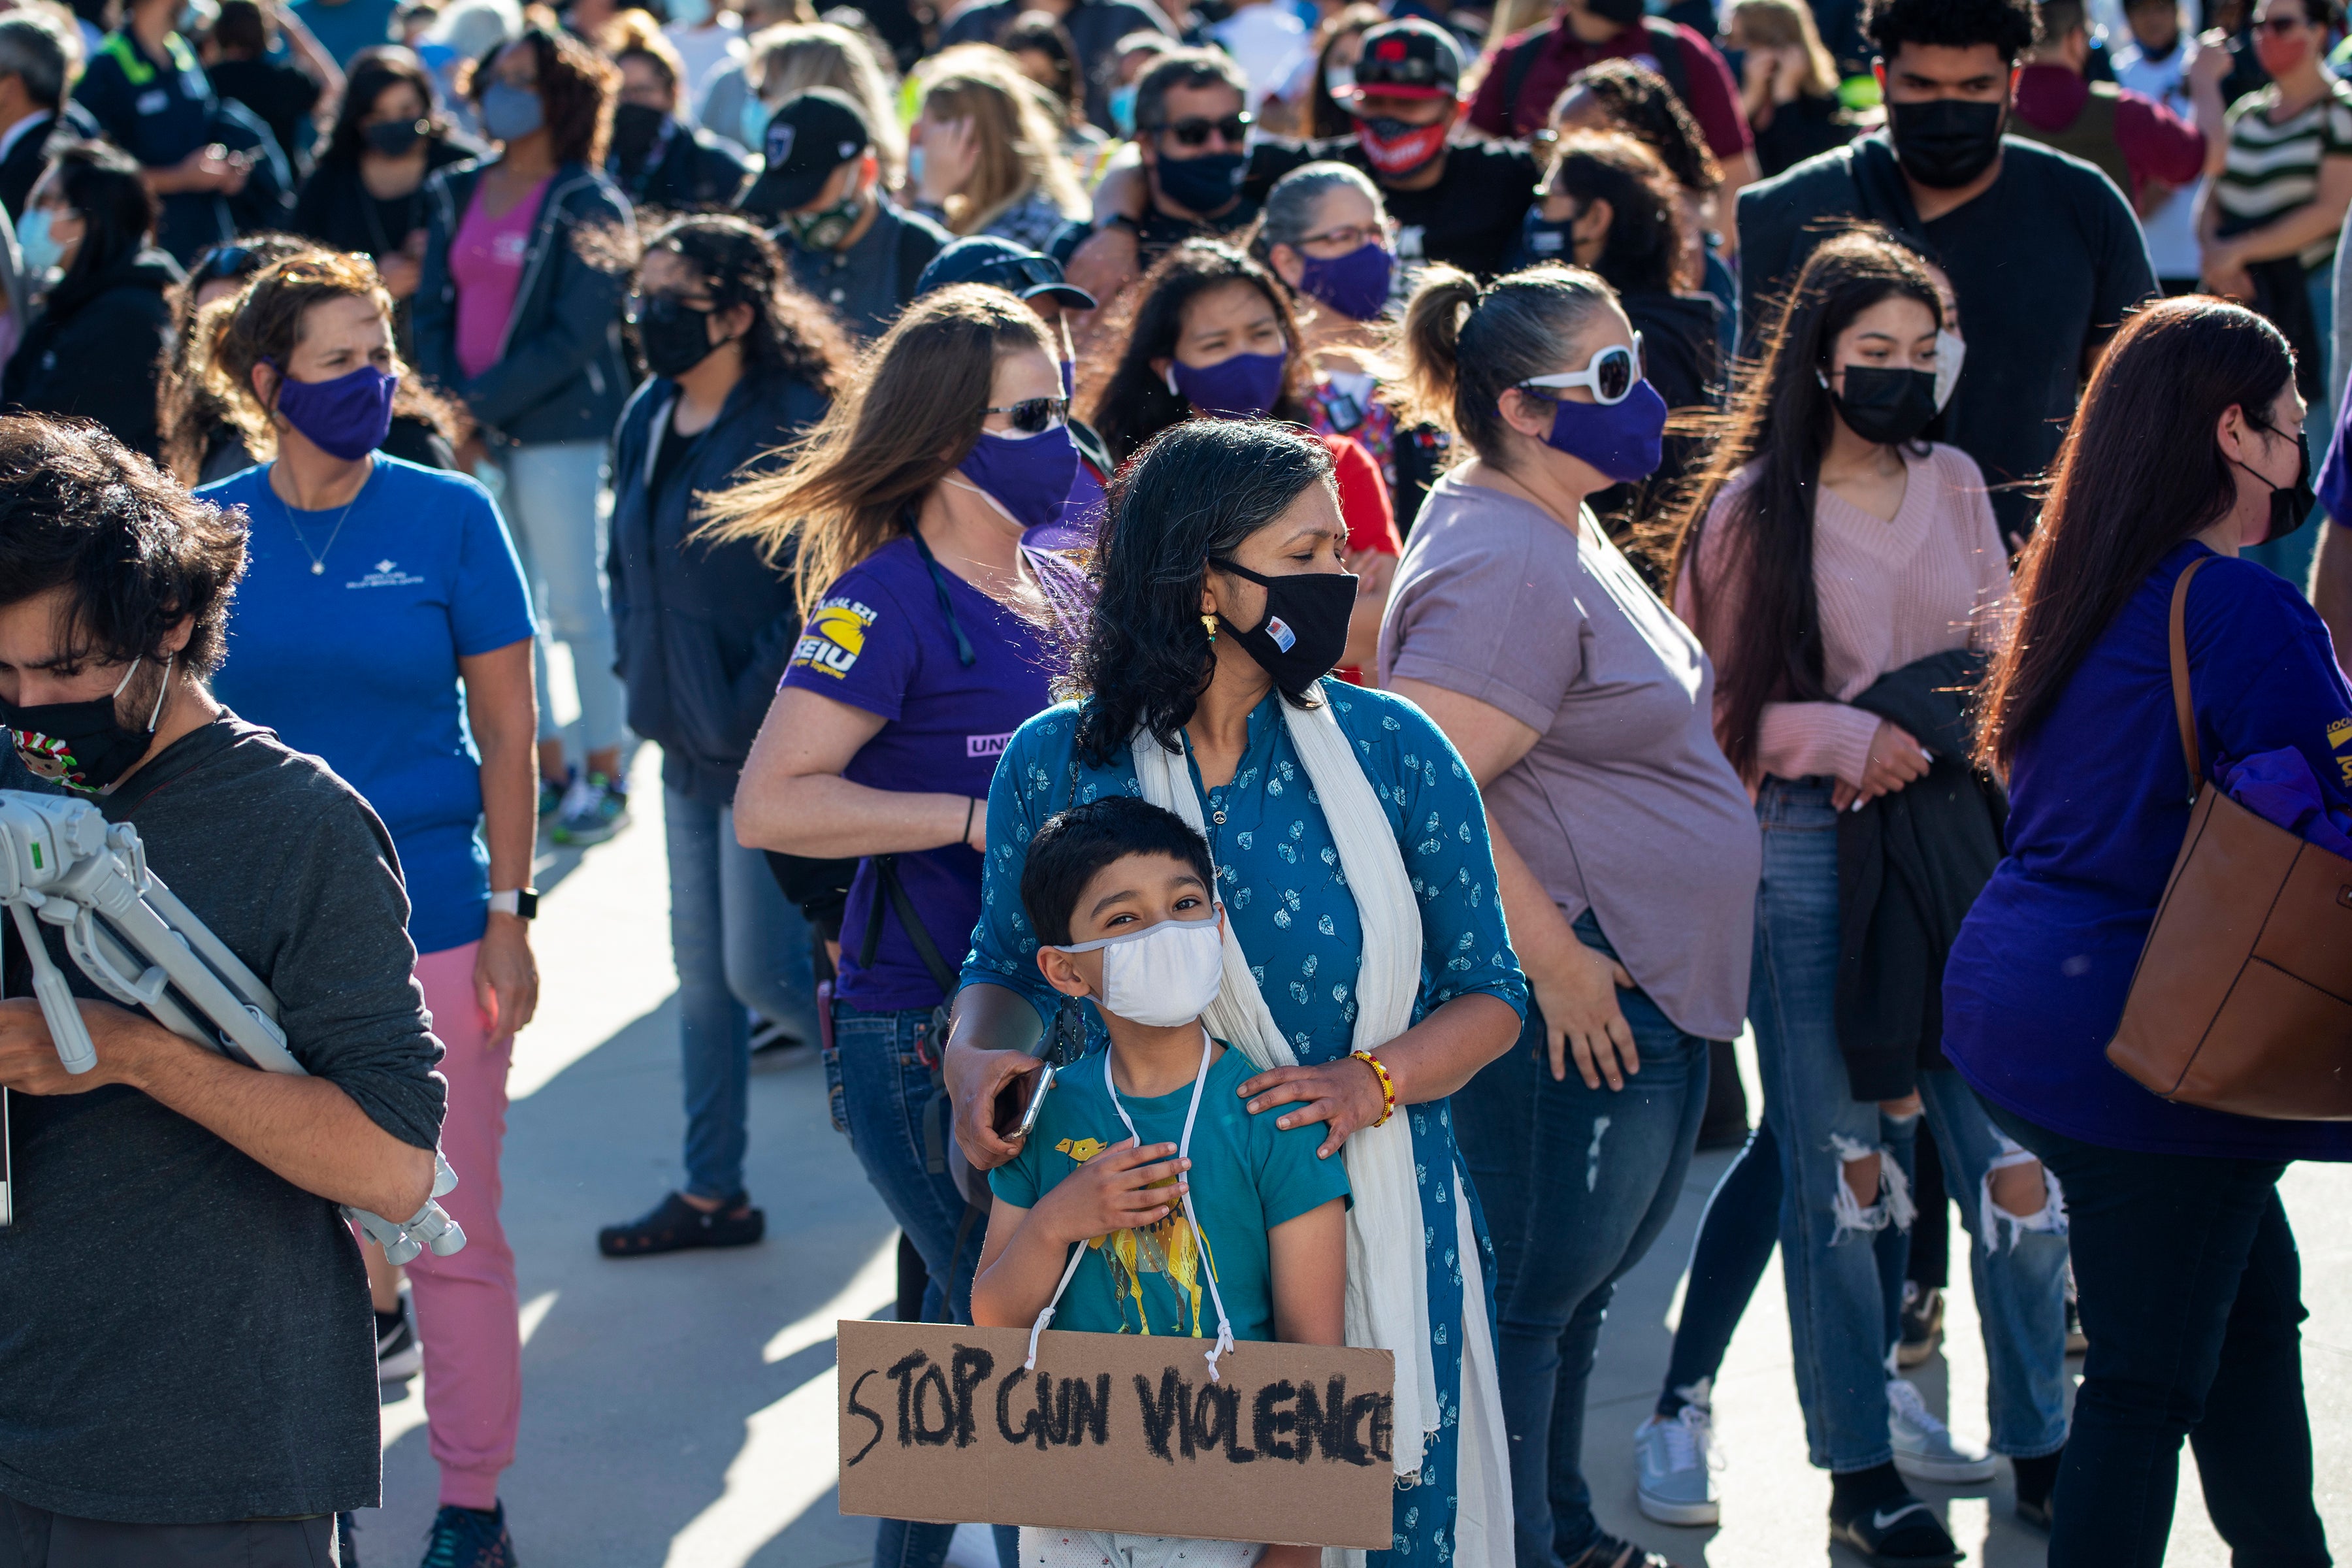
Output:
x=2043 y=254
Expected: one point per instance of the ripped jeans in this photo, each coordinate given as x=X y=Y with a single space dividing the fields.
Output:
x=1576 y=1182
x=1837 y=1320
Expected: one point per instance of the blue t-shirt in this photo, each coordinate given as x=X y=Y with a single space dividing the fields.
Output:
x=881 y=640
x=359 y=665
x=2098 y=805
x=1248 y=1176
x=347 y=27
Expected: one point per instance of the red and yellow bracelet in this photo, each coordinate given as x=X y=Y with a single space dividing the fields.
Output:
x=1388 y=1085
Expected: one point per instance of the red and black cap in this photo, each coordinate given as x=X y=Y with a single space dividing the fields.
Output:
x=1410 y=58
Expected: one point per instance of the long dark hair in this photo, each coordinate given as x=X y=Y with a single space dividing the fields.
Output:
x=371 y=73
x=1779 y=422
x=1646 y=248
x=1192 y=495
x=2139 y=471
x=118 y=213
x=1135 y=404
x=790 y=335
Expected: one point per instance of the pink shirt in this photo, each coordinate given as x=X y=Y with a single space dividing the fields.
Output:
x=485 y=263
x=1933 y=579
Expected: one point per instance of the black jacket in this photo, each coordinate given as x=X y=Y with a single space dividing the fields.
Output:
x=334 y=208
x=689 y=168
x=703 y=632
x=29 y=155
x=561 y=374
x=1909 y=864
x=97 y=347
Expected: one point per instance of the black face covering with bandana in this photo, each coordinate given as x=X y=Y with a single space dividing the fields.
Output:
x=84 y=746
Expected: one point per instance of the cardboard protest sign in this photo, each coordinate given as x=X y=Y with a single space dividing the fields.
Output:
x=1117 y=1432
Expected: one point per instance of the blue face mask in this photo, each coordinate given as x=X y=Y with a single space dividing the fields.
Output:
x=915 y=168
x=754 y=122
x=1624 y=440
x=41 y=250
x=1122 y=108
x=1028 y=477
x=509 y=113
x=690 y=12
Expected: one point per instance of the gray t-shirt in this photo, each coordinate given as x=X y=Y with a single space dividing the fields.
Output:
x=184 y=1337
x=1625 y=804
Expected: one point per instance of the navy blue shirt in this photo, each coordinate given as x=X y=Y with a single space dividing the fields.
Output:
x=2098 y=806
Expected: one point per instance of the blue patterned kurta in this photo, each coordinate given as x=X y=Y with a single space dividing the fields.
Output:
x=1278 y=873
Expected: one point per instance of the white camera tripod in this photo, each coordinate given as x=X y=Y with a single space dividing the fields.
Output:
x=62 y=863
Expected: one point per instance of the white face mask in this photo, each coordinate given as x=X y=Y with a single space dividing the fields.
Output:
x=1951 y=352
x=1163 y=975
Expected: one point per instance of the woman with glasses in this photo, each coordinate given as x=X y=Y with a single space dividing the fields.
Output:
x=1846 y=577
x=1213 y=337
x=925 y=648
x=741 y=364
x=1623 y=843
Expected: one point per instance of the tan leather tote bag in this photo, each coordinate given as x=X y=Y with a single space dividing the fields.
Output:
x=2243 y=999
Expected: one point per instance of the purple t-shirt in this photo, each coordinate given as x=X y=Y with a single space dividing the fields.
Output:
x=880 y=641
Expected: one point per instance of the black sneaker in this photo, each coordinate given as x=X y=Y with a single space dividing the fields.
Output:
x=675 y=1224
x=1899 y=1531
x=468 y=1538
x=1611 y=1552
x=1923 y=1324
x=398 y=1356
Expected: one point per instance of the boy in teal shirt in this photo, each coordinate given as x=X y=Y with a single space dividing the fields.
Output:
x=1146 y=1199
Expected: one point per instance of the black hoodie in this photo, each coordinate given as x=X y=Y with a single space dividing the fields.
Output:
x=97 y=347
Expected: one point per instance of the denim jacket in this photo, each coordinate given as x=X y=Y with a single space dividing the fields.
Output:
x=561 y=373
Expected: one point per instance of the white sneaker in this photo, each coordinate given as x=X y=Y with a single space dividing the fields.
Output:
x=1675 y=1461
x=1924 y=1446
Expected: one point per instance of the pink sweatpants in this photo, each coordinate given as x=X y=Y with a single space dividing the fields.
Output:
x=468 y=1313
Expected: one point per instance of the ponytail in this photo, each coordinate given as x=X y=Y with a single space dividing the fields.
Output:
x=1466 y=346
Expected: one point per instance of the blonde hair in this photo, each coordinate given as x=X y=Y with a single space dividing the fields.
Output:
x=912 y=412
x=1786 y=25
x=791 y=58
x=1013 y=131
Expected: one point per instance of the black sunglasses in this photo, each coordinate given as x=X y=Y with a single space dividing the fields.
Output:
x=1195 y=132
x=1035 y=415
x=641 y=305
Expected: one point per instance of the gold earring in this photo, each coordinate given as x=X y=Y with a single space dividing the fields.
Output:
x=1209 y=625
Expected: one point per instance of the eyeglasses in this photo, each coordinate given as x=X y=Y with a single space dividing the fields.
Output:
x=1035 y=415
x=1611 y=376
x=1195 y=132
x=2277 y=26
x=640 y=305
x=1352 y=235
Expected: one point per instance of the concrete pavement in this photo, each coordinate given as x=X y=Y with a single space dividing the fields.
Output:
x=677 y=1411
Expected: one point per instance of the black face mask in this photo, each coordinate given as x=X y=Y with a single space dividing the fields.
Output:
x=1542 y=240
x=1306 y=627
x=1201 y=184
x=1945 y=143
x=2290 y=504
x=1618 y=11
x=1883 y=405
x=636 y=128
x=675 y=336
x=82 y=745
x=393 y=139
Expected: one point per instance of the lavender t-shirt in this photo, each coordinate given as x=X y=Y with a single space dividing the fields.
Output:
x=880 y=641
x=1624 y=806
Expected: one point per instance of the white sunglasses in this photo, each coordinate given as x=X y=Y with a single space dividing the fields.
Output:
x=1611 y=376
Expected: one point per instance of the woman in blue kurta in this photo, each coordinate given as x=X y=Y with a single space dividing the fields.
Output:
x=1215 y=527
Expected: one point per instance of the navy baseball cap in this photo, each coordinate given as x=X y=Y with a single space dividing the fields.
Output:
x=1410 y=58
x=810 y=137
x=1001 y=264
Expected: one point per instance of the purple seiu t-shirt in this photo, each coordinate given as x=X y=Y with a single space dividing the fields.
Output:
x=880 y=641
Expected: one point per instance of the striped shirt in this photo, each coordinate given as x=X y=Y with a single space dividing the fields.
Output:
x=2273 y=166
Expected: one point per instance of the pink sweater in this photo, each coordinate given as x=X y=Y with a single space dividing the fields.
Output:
x=1934 y=579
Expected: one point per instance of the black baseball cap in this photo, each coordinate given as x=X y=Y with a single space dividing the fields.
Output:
x=1001 y=264
x=1412 y=59
x=809 y=137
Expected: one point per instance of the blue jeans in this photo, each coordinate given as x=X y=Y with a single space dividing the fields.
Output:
x=738 y=945
x=1576 y=1183
x=881 y=1090
x=2192 y=1298
x=553 y=499
x=1838 y=1294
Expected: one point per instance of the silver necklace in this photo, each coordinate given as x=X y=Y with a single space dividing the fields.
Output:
x=319 y=558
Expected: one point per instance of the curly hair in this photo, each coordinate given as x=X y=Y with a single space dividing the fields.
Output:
x=1135 y=404
x=1189 y=496
x=1648 y=247
x=791 y=335
x=2009 y=26
x=188 y=411
x=266 y=326
x=577 y=85
x=137 y=554
x=1638 y=102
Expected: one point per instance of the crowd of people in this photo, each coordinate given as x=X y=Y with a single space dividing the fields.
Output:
x=1423 y=570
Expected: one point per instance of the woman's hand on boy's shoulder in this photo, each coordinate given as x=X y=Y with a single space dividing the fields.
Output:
x=1119 y=1188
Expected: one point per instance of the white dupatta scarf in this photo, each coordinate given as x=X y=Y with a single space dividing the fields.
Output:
x=1388 y=1280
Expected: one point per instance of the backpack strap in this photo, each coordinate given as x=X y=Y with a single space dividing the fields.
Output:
x=1515 y=68
x=2184 y=713
x=1667 y=44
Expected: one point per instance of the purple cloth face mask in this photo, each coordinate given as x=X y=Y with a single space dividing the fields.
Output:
x=1028 y=477
x=1356 y=284
x=1623 y=439
x=1241 y=387
x=347 y=418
